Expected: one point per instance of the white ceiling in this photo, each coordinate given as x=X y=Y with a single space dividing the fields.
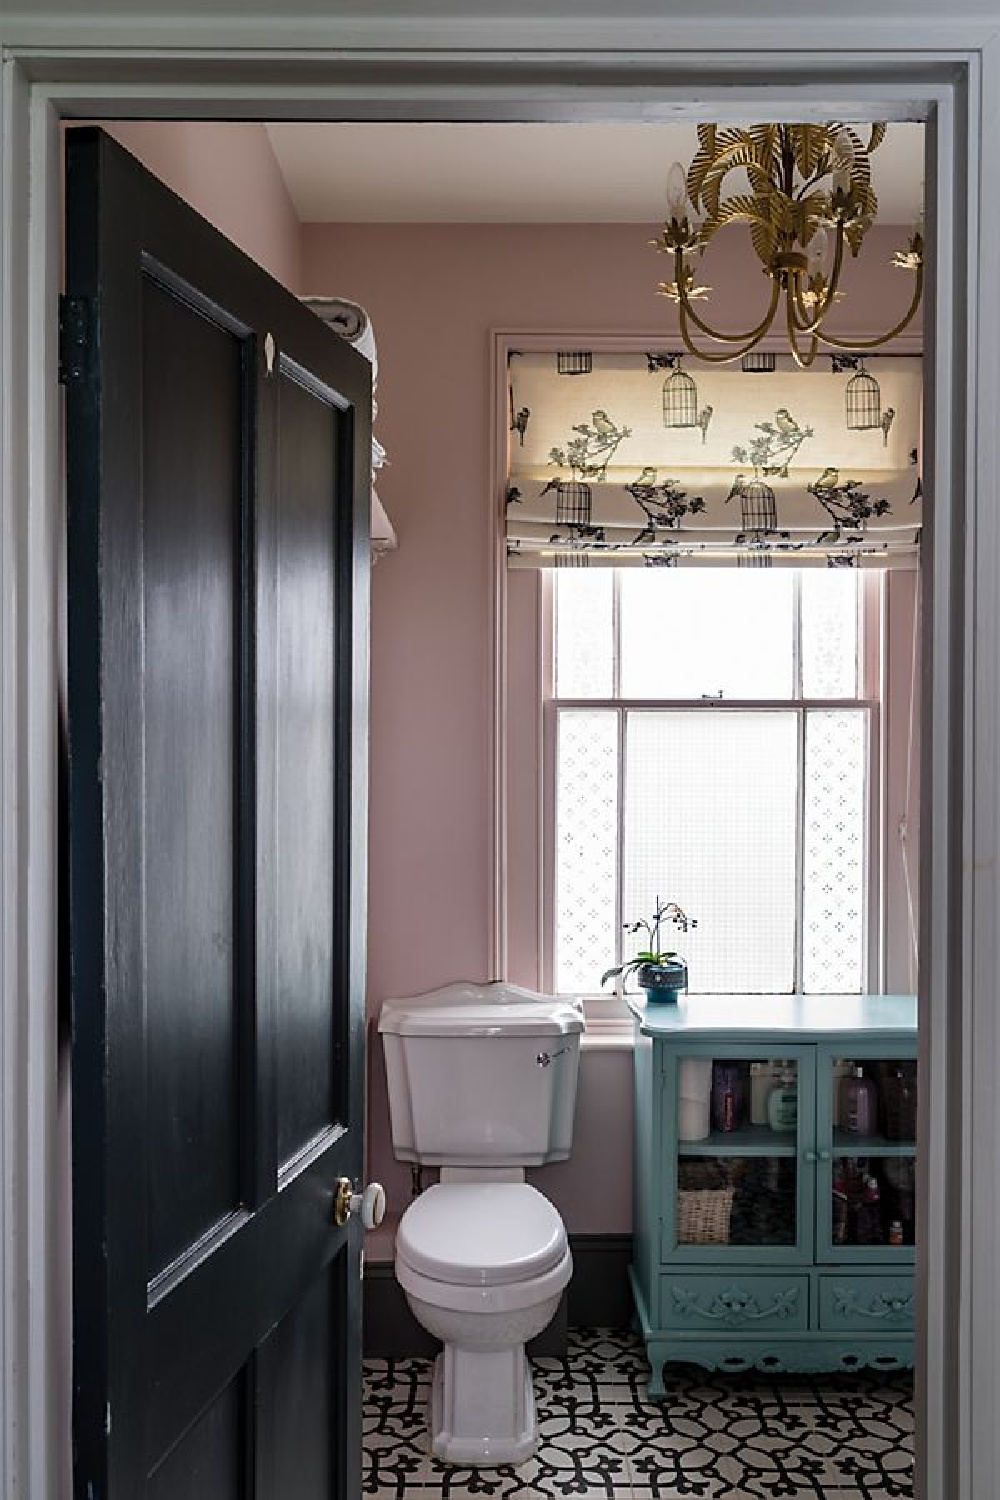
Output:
x=521 y=174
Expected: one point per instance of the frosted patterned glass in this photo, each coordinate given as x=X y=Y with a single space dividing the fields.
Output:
x=710 y=823
x=696 y=631
x=829 y=634
x=586 y=840
x=833 y=957
x=584 y=633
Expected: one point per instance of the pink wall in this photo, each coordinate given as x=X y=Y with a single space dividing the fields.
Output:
x=229 y=173
x=434 y=293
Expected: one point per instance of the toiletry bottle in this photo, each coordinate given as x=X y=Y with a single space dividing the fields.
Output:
x=839 y=1204
x=783 y=1102
x=857 y=1113
x=896 y=1232
x=899 y=1106
x=725 y=1096
x=760 y=1088
x=841 y=1068
x=869 y=1224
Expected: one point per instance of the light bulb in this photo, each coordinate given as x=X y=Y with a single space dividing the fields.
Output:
x=816 y=250
x=842 y=152
x=676 y=190
x=841 y=181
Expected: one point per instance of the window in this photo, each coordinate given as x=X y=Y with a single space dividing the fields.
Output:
x=713 y=739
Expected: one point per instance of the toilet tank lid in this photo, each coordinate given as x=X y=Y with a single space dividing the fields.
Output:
x=482 y=1010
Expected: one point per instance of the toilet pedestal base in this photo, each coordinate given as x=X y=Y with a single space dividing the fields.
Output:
x=482 y=1406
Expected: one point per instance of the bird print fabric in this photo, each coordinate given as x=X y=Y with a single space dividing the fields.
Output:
x=763 y=471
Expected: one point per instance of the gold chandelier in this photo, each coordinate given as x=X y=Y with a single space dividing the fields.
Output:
x=805 y=181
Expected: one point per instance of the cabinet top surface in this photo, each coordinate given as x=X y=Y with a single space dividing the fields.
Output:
x=807 y=1018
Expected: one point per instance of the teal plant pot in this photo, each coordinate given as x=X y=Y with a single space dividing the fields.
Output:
x=663 y=982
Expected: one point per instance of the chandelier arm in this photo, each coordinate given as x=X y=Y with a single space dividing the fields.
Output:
x=753 y=334
x=802 y=360
x=884 y=338
x=724 y=357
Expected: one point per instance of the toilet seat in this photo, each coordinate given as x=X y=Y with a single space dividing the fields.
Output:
x=481 y=1234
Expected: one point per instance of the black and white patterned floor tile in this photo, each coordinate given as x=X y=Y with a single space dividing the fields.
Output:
x=714 y=1437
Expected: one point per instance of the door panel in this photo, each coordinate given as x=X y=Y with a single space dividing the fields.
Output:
x=306 y=763
x=209 y=1462
x=191 y=412
x=218 y=441
x=301 y=1369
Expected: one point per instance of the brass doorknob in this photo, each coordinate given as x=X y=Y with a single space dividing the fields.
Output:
x=370 y=1203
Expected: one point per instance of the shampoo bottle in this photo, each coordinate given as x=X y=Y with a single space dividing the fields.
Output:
x=783 y=1102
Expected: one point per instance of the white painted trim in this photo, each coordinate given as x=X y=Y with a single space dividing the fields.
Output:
x=496 y=481
x=980 y=1206
x=545 y=844
x=735 y=70
x=13 y=570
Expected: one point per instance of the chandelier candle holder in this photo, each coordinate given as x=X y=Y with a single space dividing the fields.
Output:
x=807 y=183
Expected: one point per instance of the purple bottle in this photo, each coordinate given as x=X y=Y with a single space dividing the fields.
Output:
x=858 y=1103
x=726 y=1096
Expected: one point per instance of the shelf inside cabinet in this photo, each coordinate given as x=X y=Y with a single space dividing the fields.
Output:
x=846 y=1144
x=751 y=1140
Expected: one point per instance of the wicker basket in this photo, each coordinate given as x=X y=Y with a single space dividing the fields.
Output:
x=703 y=1216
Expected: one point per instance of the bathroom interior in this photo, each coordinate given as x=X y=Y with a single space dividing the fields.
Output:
x=698 y=721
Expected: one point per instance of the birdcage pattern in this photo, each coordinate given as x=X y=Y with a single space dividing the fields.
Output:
x=863 y=402
x=574 y=362
x=680 y=400
x=758 y=362
x=758 y=508
x=576 y=557
x=757 y=557
x=574 y=502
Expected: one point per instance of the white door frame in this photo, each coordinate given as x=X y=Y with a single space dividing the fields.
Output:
x=947 y=71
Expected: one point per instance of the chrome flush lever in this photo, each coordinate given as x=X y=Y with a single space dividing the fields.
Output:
x=544 y=1059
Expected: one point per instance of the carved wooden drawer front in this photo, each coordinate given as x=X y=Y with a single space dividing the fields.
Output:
x=866 y=1304
x=733 y=1303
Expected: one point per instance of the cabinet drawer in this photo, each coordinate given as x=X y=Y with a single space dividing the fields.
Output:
x=720 y=1304
x=865 y=1304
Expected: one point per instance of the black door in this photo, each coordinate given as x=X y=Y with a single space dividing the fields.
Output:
x=218 y=489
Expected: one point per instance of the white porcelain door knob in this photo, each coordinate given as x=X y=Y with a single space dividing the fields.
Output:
x=370 y=1203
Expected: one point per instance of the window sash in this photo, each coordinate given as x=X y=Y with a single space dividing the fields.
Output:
x=871 y=626
x=867 y=709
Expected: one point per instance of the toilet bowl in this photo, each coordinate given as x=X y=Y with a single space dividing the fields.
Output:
x=483 y=1266
x=482 y=1084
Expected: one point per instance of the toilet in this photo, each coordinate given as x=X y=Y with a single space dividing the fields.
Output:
x=482 y=1084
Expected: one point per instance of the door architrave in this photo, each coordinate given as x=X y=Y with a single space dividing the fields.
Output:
x=950 y=76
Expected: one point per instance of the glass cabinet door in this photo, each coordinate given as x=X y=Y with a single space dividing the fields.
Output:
x=738 y=1154
x=866 y=1132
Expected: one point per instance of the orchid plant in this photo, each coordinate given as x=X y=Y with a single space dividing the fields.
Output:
x=653 y=954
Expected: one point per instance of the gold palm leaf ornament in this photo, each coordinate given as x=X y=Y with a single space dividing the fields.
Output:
x=797 y=188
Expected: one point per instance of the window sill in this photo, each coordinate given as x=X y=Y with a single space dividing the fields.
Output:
x=609 y=1024
x=607 y=1036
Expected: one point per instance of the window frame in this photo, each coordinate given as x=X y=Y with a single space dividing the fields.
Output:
x=870 y=701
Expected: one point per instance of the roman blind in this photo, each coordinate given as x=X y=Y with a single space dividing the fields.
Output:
x=652 y=460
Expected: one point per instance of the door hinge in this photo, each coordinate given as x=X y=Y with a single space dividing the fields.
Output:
x=78 y=339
